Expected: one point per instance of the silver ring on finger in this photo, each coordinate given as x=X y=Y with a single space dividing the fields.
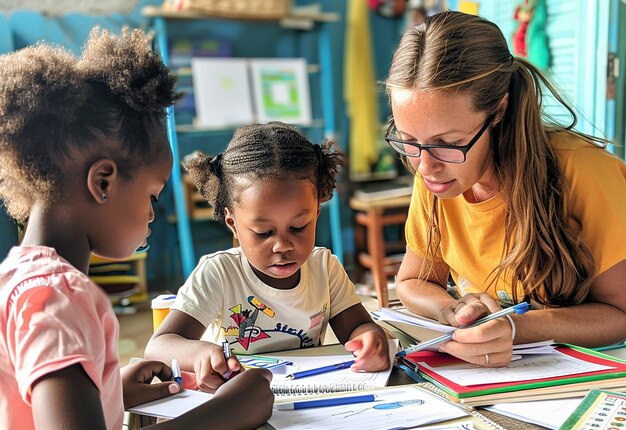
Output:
x=486 y=359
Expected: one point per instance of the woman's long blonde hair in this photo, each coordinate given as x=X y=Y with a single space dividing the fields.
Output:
x=544 y=252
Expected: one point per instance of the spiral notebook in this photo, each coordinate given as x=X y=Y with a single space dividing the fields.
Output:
x=332 y=382
x=431 y=411
x=284 y=389
x=399 y=407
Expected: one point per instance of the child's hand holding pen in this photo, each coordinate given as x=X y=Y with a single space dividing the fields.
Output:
x=214 y=368
x=228 y=354
x=137 y=382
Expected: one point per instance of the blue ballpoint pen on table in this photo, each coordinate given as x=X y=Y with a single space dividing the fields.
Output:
x=320 y=403
x=176 y=376
x=325 y=369
x=518 y=309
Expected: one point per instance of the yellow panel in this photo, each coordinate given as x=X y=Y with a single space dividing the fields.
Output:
x=470 y=7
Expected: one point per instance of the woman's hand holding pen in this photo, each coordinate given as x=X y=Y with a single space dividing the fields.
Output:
x=489 y=344
x=212 y=366
x=370 y=351
x=137 y=386
x=468 y=309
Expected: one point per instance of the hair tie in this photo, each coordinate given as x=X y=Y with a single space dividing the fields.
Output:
x=216 y=164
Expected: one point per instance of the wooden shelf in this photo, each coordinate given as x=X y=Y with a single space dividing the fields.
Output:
x=192 y=129
x=297 y=14
x=131 y=285
x=310 y=18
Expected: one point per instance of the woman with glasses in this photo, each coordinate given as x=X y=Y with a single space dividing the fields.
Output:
x=508 y=205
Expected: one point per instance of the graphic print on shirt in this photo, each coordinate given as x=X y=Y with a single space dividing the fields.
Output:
x=318 y=317
x=307 y=338
x=249 y=323
x=246 y=330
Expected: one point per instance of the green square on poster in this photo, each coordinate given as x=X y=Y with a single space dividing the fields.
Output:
x=281 y=90
x=280 y=94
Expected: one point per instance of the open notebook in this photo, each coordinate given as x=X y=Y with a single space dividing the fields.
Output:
x=332 y=382
x=286 y=390
x=405 y=406
x=414 y=329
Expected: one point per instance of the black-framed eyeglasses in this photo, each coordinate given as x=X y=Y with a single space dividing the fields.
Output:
x=445 y=153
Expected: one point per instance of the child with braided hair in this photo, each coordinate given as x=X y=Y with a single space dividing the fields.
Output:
x=83 y=156
x=275 y=291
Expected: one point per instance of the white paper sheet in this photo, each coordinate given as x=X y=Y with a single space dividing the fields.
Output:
x=546 y=413
x=529 y=367
x=173 y=406
x=386 y=314
x=398 y=407
x=464 y=425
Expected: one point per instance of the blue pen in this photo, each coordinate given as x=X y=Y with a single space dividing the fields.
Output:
x=176 y=372
x=336 y=401
x=518 y=309
x=325 y=369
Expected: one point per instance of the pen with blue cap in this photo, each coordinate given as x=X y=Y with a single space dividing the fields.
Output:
x=324 y=369
x=176 y=376
x=517 y=309
x=320 y=403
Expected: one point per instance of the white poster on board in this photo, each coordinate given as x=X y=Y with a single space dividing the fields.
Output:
x=222 y=93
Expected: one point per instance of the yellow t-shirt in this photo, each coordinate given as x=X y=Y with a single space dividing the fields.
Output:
x=472 y=234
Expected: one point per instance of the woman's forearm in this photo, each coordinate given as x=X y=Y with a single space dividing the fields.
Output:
x=423 y=297
x=588 y=324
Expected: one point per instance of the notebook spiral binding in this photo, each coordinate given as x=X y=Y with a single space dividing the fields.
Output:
x=296 y=390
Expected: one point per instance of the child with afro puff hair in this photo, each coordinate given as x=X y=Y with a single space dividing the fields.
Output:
x=83 y=155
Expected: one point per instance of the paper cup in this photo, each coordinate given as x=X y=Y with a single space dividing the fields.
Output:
x=160 y=308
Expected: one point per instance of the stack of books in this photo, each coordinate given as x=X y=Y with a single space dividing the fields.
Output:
x=568 y=372
x=538 y=371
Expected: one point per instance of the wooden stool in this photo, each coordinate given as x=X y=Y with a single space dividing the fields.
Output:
x=374 y=216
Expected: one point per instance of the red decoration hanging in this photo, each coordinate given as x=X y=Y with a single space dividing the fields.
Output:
x=523 y=15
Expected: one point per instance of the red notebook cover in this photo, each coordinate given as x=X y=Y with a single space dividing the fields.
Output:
x=435 y=359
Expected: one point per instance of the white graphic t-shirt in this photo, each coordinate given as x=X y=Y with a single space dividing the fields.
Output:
x=225 y=295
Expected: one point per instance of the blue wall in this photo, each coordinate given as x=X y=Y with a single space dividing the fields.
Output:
x=22 y=28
